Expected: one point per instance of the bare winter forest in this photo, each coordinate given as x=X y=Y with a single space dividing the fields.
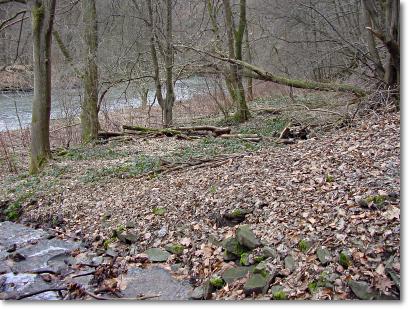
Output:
x=201 y=149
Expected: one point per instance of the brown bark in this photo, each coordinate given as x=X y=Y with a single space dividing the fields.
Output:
x=42 y=12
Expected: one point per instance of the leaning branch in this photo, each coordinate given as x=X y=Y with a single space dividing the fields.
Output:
x=261 y=74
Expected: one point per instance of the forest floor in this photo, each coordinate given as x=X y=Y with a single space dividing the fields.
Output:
x=339 y=189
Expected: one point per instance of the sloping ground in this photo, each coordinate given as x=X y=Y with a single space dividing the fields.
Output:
x=341 y=191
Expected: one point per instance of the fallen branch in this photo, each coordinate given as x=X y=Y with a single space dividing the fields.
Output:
x=244 y=137
x=261 y=74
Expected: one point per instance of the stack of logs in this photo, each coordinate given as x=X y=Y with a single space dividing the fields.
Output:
x=186 y=133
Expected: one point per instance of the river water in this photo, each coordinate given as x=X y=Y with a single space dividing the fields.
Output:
x=17 y=106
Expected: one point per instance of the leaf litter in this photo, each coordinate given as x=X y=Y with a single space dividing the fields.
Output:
x=306 y=191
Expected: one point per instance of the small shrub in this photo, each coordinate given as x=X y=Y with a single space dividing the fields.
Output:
x=304 y=246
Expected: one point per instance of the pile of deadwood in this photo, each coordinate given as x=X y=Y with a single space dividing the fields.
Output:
x=185 y=133
x=291 y=134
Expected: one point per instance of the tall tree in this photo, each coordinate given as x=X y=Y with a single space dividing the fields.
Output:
x=169 y=67
x=42 y=13
x=235 y=46
x=89 y=110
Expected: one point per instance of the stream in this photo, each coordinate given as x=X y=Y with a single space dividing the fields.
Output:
x=15 y=108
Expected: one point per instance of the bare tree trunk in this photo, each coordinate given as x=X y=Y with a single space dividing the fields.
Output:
x=169 y=65
x=371 y=43
x=42 y=12
x=249 y=87
x=235 y=42
x=154 y=56
x=89 y=111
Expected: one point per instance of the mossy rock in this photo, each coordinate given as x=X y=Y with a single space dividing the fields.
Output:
x=233 y=274
x=232 y=245
x=261 y=268
x=278 y=293
x=247 y=238
x=344 y=260
x=175 y=248
x=217 y=282
x=244 y=261
x=256 y=284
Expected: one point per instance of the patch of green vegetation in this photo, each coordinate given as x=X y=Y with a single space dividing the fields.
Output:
x=159 y=211
x=344 y=260
x=140 y=165
x=266 y=127
x=210 y=147
x=330 y=179
x=118 y=230
x=304 y=245
x=12 y=212
x=88 y=152
x=378 y=199
x=217 y=282
x=175 y=248
x=213 y=189
x=323 y=279
x=312 y=287
x=279 y=295
x=109 y=241
x=244 y=261
x=259 y=259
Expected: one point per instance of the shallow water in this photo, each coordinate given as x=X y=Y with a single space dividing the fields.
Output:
x=16 y=107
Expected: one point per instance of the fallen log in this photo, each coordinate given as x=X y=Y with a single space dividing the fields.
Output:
x=166 y=131
x=107 y=134
x=216 y=130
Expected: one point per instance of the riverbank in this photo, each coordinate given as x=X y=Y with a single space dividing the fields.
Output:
x=329 y=192
x=16 y=78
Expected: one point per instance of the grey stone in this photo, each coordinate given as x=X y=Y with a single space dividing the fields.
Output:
x=155 y=281
x=111 y=252
x=290 y=263
x=256 y=284
x=12 y=233
x=268 y=252
x=361 y=290
x=198 y=293
x=127 y=238
x=157 y=255
x=247 y=238
x=233 y=274
x=162 y=232
x=97 y=260
x=324 y=255
x=38 y=255
x=23 y=283
x=208 y=290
